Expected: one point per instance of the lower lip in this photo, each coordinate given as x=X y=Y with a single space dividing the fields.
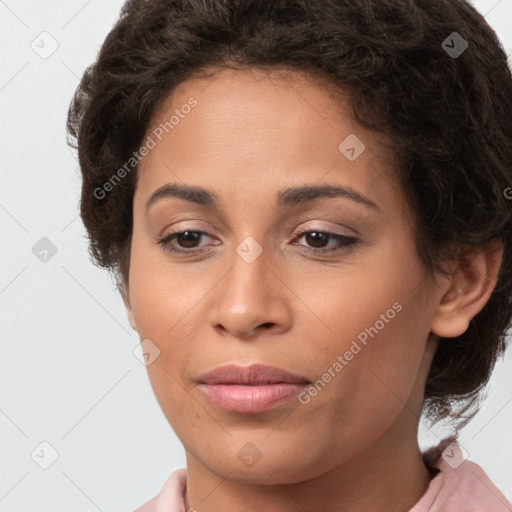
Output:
x=251 y=399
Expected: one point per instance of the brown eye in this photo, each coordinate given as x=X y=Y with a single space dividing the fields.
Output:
x=317 y=241
x=183 y=242
x=188 y=239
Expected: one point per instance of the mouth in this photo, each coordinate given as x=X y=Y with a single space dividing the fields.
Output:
x=251 y=390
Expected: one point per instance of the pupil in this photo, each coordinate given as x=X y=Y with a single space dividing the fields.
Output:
x=317 y=237
x=191 y=234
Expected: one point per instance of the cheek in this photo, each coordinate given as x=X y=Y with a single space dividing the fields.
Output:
x=378 y=324
x=167 y=307
x=370 y=387
x=161 y=294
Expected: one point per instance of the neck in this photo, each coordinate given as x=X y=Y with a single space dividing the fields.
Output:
x=388 y=475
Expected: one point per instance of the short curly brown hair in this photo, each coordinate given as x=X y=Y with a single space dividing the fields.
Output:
x=446 y=107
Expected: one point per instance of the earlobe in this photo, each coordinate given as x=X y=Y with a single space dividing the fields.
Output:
x=125 y=294
x=130 y=318
x=465 y=295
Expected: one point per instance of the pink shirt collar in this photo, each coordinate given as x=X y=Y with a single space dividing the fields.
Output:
x=456 y=488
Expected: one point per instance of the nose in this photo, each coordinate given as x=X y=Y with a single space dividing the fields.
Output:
x=251 y=299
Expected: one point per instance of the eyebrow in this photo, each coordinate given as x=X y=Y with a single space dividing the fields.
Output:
x=293 y=196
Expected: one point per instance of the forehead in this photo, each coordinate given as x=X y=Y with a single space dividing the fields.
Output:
x=254 y=125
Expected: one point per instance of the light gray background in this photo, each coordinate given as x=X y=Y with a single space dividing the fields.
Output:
x=68 y=375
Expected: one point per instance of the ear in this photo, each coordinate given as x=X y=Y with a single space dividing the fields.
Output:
x=125 y=294
x=469 y=288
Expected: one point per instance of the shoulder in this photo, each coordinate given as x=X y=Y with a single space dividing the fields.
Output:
x=171 y=497
x=459 y=484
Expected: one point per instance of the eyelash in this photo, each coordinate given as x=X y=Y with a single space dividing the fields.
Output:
x=346 y=241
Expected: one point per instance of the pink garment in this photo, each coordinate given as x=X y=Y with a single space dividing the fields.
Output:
x=465 y=488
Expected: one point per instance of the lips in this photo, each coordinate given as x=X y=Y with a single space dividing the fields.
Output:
x=253 y=375
x=252 y=389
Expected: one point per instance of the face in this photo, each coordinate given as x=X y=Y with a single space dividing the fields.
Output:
x=325 y=284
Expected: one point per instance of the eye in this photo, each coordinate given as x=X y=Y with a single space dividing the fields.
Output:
x=319 y=241
x=187 y=240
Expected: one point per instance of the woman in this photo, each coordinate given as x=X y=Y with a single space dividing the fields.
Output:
x=304 y=203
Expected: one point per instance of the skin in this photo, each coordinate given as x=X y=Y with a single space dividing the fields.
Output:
x=354 y=446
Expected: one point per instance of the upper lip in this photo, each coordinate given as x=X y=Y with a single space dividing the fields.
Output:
x=253 y=374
